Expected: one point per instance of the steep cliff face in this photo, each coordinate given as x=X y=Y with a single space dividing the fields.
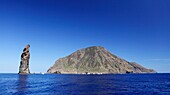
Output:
x=95 y=59
x=24 y=63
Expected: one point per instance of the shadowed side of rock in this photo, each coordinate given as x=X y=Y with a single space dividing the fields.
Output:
x=24 y=63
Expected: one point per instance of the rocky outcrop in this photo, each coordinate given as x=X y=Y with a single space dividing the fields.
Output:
x=24 y=63
x=95 y=60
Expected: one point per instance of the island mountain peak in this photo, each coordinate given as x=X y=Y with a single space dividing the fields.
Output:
x=96 y=60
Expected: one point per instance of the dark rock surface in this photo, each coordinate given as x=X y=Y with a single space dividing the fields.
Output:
x=95 y=60
x=24 y=63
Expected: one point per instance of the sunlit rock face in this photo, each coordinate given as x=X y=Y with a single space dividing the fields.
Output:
x=95 y=60
x=24 y=63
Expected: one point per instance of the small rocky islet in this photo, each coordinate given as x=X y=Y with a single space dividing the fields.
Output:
x=95 y=60
x=24 y=63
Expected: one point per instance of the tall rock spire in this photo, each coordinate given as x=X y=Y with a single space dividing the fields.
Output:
x=24 y=63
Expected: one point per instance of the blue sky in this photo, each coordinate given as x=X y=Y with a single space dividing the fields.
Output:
x=136 y=30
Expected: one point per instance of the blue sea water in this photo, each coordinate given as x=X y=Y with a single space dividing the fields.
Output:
x=113 y=84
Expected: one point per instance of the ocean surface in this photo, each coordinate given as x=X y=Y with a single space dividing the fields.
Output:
x=113 y=84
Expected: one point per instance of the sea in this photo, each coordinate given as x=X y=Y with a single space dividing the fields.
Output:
x=106 y=84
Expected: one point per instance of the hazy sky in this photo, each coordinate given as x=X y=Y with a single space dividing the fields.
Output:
x=136 y=30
